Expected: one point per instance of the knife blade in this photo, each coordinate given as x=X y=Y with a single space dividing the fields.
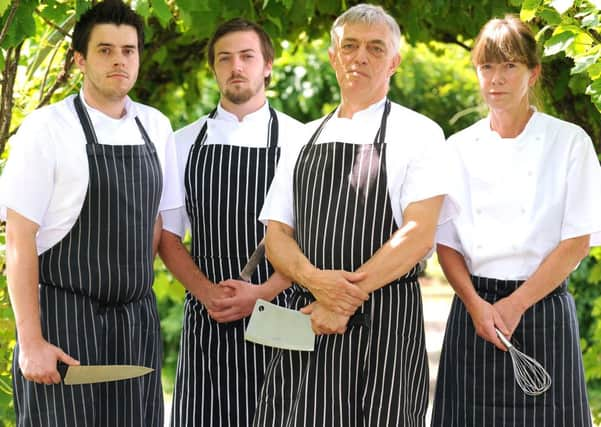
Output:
x=253 y=261
x=90 y=374
x=280 y=327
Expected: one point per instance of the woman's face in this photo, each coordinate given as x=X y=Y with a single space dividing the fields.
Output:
x=505 y=85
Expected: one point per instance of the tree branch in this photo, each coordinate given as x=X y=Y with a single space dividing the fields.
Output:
x=53 y=25
x=61 y=78
x=6 y=102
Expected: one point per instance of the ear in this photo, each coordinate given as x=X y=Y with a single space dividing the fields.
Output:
x=396 y=61
x=80 y=60
x=331 y=55
x=267 y=68
x=534 y=75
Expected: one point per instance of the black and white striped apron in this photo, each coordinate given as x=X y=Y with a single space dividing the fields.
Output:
x=476 y=384
x=219 y=375
x=96 y=299
x=376 y=373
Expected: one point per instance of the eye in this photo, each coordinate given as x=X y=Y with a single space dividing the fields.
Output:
x=348 y=47
x=104 y=50
x=377 y=49
x=128 y=51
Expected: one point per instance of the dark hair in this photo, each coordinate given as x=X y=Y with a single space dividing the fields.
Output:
x=240 y=24
x=506 y=40
x=106 y=12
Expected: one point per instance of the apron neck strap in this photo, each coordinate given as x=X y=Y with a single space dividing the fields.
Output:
x=380 y=137
x=272 y=130
x=88 y=128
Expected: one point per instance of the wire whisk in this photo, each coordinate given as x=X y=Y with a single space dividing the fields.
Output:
x=531 y=377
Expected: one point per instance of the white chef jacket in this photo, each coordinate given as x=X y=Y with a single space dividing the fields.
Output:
x=417 y=167
x=225 y=129
x=523 y=195
x=46 y=176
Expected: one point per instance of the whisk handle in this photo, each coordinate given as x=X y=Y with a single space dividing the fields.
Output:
x=504 y=340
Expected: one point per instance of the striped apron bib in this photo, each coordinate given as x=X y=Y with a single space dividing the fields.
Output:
x=96 y=300
x=476 y=384
x=219 y=374
x=376 y=373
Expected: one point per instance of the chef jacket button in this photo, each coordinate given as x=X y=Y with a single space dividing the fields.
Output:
x=479 y=246
x=478 y=211
x=530 y=173
x=523 y=210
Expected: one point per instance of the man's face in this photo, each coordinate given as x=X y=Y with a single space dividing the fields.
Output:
x=239 y=67
x=364 y=59
x=112 y=62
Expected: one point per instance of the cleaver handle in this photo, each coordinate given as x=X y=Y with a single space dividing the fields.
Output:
x=253 y=261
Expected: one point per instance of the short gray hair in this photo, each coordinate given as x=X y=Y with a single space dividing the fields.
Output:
x=369 y=14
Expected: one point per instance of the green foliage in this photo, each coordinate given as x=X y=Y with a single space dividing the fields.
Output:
x=585 y=285
x=7 y=344
x=570 y=32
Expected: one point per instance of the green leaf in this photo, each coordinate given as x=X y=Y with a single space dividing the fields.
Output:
x=143 y=9
x=529 y=8
x=23 y=25
x=81 y=6
x=594 y=90
x=582 y=63
x=161 y=10
x=3 y=6
x=558 y=43
x=550 y=16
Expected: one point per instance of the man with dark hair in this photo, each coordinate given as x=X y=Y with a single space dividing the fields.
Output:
x=81 y=195
x=227 y=160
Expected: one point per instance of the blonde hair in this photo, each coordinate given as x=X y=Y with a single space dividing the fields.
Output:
x=506 y=40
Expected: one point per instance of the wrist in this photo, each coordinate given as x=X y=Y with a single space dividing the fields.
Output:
x=306 y=275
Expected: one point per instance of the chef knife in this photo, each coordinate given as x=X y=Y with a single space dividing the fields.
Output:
x=90 y=374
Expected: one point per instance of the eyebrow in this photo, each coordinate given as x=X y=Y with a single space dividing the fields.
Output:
x=103 y=44
x=225 y=52
x=353 y=39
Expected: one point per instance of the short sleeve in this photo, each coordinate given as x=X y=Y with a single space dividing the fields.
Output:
x=432 y=171
x=279 y=202
x=172 y=196
x=446 y=234
x=27 y=182
x=582 y=214
x=175 y=221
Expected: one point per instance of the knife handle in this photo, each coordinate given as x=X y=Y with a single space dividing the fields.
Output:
x=62 y=369
x=253 y=261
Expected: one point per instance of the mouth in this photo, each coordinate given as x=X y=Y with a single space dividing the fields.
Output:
x=118 y=75
x=357 y=73
x=236 y=81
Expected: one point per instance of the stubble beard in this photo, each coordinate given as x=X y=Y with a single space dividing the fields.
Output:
x=243 y=95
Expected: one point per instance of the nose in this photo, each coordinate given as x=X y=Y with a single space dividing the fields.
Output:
x=498 y=77
x=118 y=59
x=361 y=55
x=237 y=63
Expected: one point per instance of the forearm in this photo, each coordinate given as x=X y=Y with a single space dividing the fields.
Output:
x=285 y=255
x=156 y=235
x=178 y=260
x=406 y=247
x=456 y=271
x=22 y=275
x=274 y=286
x=554 y=269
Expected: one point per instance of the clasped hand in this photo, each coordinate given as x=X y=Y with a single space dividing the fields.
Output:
x=337 y=290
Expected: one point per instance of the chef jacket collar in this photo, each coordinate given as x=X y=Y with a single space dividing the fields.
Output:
x=130 y=108
x=261 y=114
x=372 y=109
x=531 y=129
